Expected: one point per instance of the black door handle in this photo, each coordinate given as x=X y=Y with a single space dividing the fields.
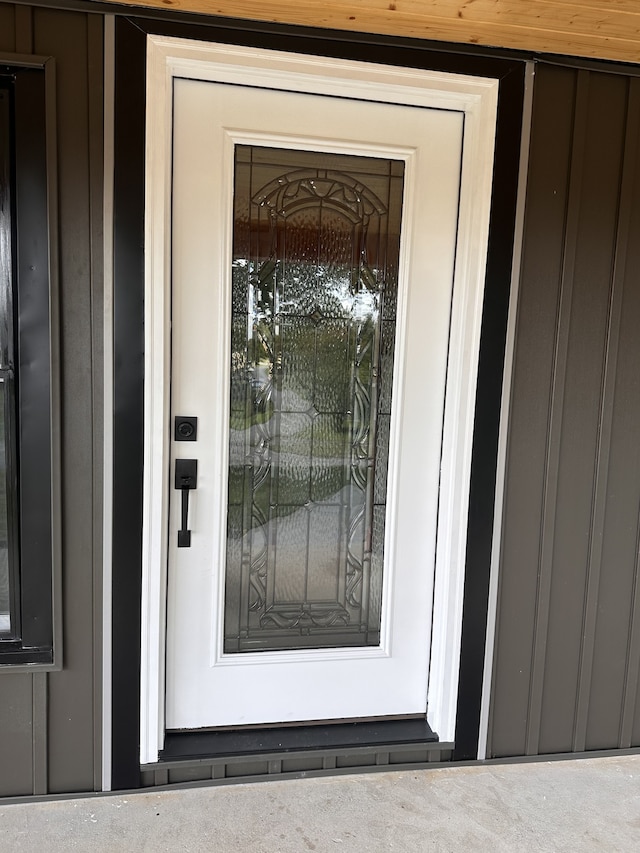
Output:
x=186 y=480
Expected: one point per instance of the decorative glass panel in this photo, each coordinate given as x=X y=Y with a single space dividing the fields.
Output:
x=315 y=264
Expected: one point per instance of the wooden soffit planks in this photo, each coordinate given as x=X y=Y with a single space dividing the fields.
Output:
x=605 y=29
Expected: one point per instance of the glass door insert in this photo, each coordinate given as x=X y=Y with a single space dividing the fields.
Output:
x=314 y=289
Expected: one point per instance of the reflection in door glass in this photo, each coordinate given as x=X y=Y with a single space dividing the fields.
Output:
x=6 y=350
x=5 y=611
x=315 y=266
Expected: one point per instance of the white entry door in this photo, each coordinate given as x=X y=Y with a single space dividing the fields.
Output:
x=313 y=243
x=316 y=243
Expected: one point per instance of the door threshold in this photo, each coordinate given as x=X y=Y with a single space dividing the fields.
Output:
x=258 y=741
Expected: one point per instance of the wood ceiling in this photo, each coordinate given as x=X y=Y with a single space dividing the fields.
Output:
x=606 y=29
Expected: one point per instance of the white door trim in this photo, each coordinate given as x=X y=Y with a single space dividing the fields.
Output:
x=477 y=99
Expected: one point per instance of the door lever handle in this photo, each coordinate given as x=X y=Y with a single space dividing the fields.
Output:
x=186 y=480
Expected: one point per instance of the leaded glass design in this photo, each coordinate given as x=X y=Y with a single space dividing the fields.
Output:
x=314 y=282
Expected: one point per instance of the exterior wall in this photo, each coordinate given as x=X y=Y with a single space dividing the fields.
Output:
x=49 y=721
x=568 y=636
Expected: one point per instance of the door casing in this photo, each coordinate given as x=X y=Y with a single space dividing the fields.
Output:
x=477 y=99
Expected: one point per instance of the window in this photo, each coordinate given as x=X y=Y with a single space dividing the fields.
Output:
x=9 y=604
x=27 y=540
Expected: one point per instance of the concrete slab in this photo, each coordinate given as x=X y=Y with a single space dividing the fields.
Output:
x=585 y=805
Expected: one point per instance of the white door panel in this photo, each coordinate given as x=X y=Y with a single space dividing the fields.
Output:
x=205 y=686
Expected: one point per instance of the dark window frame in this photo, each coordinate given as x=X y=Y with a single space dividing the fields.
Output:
x=36 y=641
x=7 y=360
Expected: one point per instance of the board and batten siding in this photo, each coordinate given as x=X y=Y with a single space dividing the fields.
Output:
x=567 y=653
x=49 y=722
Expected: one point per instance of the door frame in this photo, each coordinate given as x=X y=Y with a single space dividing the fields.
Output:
x=474 y=96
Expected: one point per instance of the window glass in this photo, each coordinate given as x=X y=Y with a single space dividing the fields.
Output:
x=5 y=612
x=26 y=531
x=5 y=357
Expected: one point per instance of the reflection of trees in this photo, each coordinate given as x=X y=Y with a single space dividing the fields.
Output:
x=306 y=344
x=334 y=356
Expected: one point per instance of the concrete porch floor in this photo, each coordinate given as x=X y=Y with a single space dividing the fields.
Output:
x=582 y=805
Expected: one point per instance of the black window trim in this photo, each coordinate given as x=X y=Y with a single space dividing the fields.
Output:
x=35 y=265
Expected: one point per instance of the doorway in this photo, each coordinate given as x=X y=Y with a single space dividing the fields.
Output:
x=315 y=324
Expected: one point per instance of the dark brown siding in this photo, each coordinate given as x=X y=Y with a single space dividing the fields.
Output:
x=568 y=639
x=48 y=722
x=16 y=745
x=7 y=28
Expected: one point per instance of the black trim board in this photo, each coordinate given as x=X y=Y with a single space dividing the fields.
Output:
x=128 y=398
x=487 y=416
x=129 y=341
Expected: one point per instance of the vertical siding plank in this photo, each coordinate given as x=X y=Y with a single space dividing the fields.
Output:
x=629 y=733
x=617 y=649
x=8 y=28
x=24 y=29
x=71 y=691
x=629 y=394
x=40 y=732
x=613 y=634
x=634 y=722
x=591 y=226
x=16 y=734
x=542 y=254
x=596 y=543
x=552 y=467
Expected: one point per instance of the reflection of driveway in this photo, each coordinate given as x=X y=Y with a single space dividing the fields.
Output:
x=299 y=473
x=4 y=589
x=4 y=551
x=306 y=549
x=239 y=443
